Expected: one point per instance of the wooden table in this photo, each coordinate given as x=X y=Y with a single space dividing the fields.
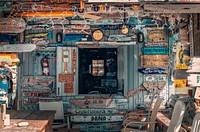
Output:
x=39 y=121
x=163 y=121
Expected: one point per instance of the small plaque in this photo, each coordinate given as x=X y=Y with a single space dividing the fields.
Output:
x=66 y=77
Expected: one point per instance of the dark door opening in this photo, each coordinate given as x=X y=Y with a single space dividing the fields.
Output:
x=97 y=70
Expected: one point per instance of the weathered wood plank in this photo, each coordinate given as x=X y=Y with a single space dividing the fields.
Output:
x=194 y=80
x=154 y=61
x=98 y=103
x=97 y=118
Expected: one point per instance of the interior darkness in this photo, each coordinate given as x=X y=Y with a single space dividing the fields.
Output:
x=97 y=70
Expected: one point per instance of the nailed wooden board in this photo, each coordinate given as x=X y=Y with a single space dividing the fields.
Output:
x=93 y=111
x=94 y=127
x=152 y=70
x=181 y=83
x=155 y=78
x=97 y=118
x=194 y=80
x=44 y=85
x=17 y=48
x=155 y=50
x=153 y=86
x=10 y=59
x=195 y=65
x=154 y=61
x=112 y=1
x=180 y=74
x=197 y=93
x=47 y=14
x=12 y=25
x=98 y=103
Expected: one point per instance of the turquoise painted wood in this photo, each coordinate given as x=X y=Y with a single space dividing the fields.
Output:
x=155 y=50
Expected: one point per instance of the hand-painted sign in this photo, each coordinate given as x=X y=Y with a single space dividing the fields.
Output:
x=98 y=103
x=77 y=37
x=197 y=93
x=153 y=70
x=102 y=127
x=194 y=80
x=17 y=48
x=97 y=118
x=154 y=61
x=155 y=50
x=12 y=25
x=38 y=83
x=93 y=111
x=157 y=37
x=9 y=59
x=112 y=1
x=153 y=86
x=119 y=38
x=195 y=65
x=180 y=74
x=46 y=14
x=155 y=78
x=180 y=83
x=182 y=56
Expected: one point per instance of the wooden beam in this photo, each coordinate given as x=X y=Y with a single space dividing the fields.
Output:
x=172 y=8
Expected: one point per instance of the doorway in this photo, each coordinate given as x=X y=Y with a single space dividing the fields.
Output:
x=98 y=70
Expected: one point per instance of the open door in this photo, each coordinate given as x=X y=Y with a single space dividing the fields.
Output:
x=98 y=70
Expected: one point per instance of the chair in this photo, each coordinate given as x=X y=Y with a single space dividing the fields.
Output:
x=175 y=123
x=59 y=115
x=177 y=117
x=149 y=123
x=196 y=123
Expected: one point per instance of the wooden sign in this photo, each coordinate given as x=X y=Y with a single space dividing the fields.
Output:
x=154 y=61
x=93 y=1
x=38 y=83
x=155 y=78
x=66 y=77
x=180 y=74
x=17 y=48
x=68 y=88
x=194 y=80
x=77 y=37
x=31 y=101
x=119 y=38
x=93 y=111
x=102 y=127
x=98 y=103
x=153 y=70
x=155 y=50
x=180 y=83
x=197 y=93
x=78 y=27
x=12 y=25
x=194 y=66
x=9 y=59
x=157 y=37
x=97 y=118
x=182 y=56
x=74 y=58
x=46 y=14
x=153 y=86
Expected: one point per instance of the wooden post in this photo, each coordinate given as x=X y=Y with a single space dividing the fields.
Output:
x=2 y=114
